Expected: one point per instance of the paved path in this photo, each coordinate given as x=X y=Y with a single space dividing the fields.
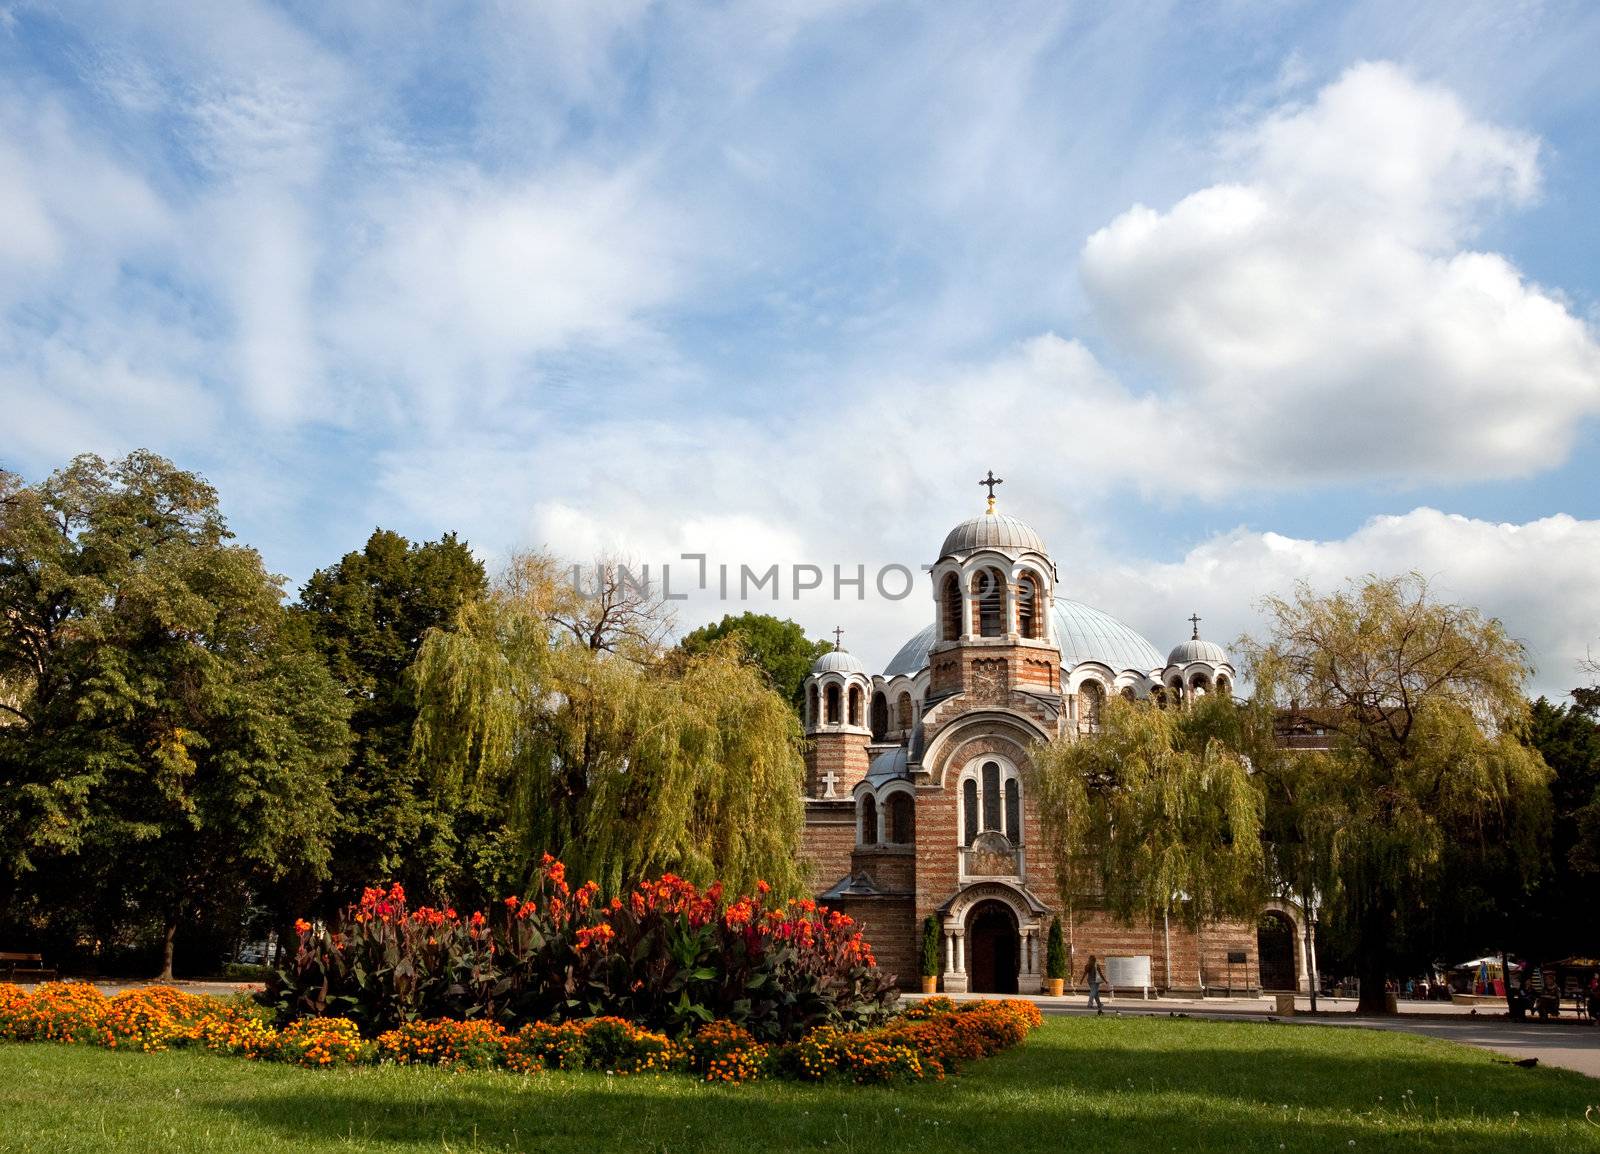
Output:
x=1566 y=1042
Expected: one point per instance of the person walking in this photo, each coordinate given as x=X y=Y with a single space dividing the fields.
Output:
x=1092 y=977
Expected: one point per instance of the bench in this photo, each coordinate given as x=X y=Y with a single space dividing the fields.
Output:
x=20 y=965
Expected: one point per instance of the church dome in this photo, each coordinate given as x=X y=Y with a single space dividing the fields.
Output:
x=838 y=661
x=992 y=531
x=1196 y=650
x=1083 y=632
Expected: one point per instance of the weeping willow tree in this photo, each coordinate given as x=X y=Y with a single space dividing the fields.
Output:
x=1154 y=816
x=1422 y=702
x=623 y=760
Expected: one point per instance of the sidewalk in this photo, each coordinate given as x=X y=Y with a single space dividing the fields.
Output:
x=1566 y=1041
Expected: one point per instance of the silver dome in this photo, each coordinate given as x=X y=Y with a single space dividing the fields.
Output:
x=888 y=765
x=1196 y=650
x=838 y=661
x=992 y=531
x=1083 y=632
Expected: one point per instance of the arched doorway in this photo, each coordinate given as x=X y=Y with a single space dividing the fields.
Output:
x=1275 y=948
x=992 y=938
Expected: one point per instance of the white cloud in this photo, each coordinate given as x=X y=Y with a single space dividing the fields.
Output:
x=1319 y=317
x=1537 y=577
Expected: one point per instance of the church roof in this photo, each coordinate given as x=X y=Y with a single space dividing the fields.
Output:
x=838 y=661
x=1195 y=649
x=992 y=531
x=1083 y=632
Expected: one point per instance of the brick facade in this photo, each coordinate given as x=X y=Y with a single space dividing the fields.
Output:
x=980 y=705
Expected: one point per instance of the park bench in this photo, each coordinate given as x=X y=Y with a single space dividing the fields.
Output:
x=21 y=965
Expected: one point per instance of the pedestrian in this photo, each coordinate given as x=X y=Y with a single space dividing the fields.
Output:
x=1092 y=976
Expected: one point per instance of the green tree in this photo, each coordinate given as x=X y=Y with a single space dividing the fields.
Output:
x=1155 y=814
x=622 y=765
x=367 y=615
x=1424 y=707
x=779 y=647
x=171 y=735
x=1565 y=914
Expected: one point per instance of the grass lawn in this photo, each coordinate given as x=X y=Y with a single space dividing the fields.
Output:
x=1080 y=1084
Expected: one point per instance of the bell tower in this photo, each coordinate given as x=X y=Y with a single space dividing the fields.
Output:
x=836 y=726
x=994 y=584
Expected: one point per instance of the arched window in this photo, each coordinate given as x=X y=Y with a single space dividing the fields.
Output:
x=1159 y=696
x=813 y=714
x=989 y=602
x=1029 y=610
x=869 y=820
x=856 y=699
x=880 y=716
x=1199 y=684
x=1224 y=686
x=900 y=818
x=950 y=609
x=991 y=802
x=907 y=715
x=1091 y=696
x=833 y=705
x=1127 y=693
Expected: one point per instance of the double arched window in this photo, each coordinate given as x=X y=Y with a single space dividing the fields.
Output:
x=880 y=716
x=1091 y=696
x=989 y=603
x=991 y=802
x=868 y=812
x=950 y=608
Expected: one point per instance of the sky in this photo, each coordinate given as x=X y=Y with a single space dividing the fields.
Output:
x=1232 y=295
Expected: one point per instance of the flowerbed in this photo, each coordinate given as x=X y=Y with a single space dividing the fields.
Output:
x=928 y=1041
x=667 y=956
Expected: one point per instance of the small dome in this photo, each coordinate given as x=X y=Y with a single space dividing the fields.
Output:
x=992 y=531
x=838 y=661
x=887 y=766
x=1196 y=650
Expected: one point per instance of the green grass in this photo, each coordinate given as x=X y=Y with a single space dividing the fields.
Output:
x=1079 y=1084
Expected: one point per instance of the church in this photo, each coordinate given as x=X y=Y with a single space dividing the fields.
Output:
x=916 y=781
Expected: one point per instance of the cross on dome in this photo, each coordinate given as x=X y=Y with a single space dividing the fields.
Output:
x=1195 y=619
x=991 y=481
x=838 y=636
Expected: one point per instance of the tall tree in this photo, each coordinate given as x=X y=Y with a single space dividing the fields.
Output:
x=779 y=647
x=1423 y=701
x=624 y=766
x=172 y=737
x=367 y=615
x=1155 y=814
x=1565 y=913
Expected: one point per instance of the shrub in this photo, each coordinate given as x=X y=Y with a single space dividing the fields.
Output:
x=547 y=1045
x=1055 y=952
x=53 y=1012
x=670 y=957
x=928 y=1041
x=930 y=947
x=318 y=1042
x=475 y=1045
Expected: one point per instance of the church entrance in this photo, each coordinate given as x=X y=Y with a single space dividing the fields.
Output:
x=992 y=956
x=1275 y=948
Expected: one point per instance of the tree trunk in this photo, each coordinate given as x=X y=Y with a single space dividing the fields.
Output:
x=166 y=949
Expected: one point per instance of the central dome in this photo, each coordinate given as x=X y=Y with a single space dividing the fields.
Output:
x=1083 y=632
x=993 y=531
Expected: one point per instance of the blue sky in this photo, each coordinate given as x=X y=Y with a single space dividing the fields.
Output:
x=1231 y=295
